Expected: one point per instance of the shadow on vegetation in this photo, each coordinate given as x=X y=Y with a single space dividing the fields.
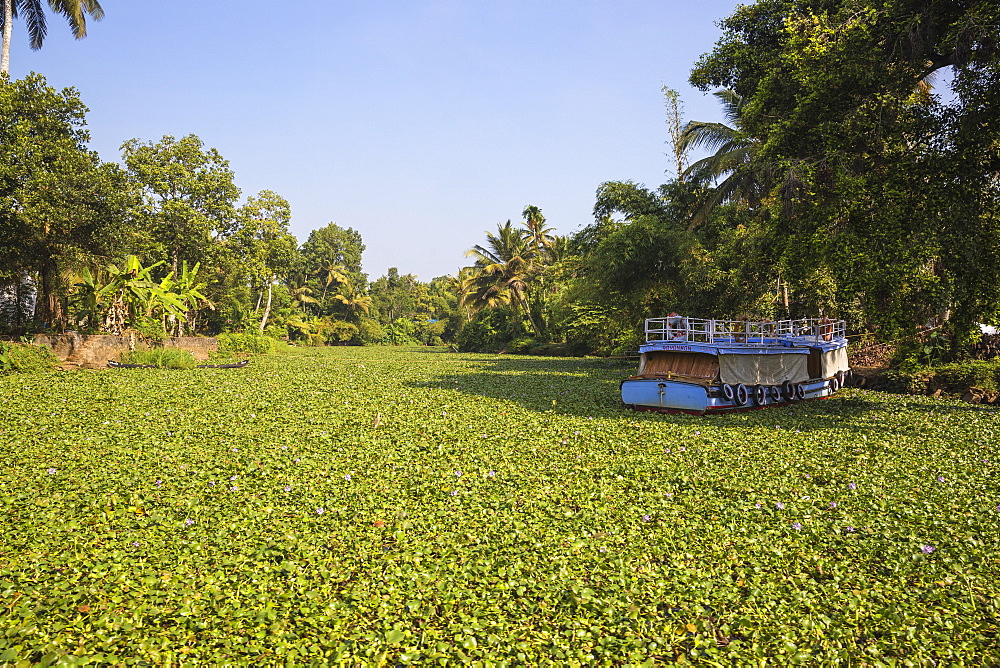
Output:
x=589 y=387
x=564 y=385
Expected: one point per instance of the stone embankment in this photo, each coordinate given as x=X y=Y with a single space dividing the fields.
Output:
x=92 y=351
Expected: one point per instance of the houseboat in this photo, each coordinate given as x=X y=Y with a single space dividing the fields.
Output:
x=699 y=366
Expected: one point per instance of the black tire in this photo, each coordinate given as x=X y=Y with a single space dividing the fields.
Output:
x=727 y=392
x=834 y=385
x=759 y=395
x=741 y=394
x=788 y=390
x=775 y=394
x=800 y=392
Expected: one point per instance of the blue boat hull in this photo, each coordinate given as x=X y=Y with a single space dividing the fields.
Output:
x=685 y=397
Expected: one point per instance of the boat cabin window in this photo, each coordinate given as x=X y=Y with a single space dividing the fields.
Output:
x=665 y=363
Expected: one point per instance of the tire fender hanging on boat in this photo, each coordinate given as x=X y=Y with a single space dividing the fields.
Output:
x=800 y=392
x=728 y=392
x=741 y=394
x=759 y=395
x=788 y=390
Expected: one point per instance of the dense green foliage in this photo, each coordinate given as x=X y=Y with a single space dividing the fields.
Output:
x=245 y=343
x=20 y=358
x=363 y=504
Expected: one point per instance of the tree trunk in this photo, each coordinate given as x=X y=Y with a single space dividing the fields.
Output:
x=48 y=308
x=8 y=29
x=267 y=309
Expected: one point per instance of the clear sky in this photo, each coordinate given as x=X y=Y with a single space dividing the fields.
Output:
x=420 y=124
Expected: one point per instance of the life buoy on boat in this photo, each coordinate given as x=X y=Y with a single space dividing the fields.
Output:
x=741 y=394
x=676 y=327
x=727 y=392
x=826 y=329
x=740 y=329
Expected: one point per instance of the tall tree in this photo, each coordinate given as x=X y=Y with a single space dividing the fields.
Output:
x=728 y=169
x=265 y=245
x=889 y=191
x=59 y=205
x=503 y=271
x=188 y=192
x=337 y=246
x=75 y=12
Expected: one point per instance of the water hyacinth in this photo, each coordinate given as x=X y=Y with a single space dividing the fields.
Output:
x=927 y=549
x=51 y=471
x=539 y=527
x=852 y=485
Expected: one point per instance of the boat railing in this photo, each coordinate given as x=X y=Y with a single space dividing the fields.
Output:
x=744 y=332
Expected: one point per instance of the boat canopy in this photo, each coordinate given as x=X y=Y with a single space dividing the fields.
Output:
x=763 y=369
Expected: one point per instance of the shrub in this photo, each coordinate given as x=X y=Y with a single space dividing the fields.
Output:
x=954 y=378
x=164 y=358
x=20 y=358
x=370 y=332
x=246 y=344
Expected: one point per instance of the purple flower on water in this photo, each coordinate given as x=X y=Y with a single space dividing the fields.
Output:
x=852 y=485
x=189 y=521
x=320 y=511
x=940 y=478
x=298 y=459
x=234 y=488
x=797 y=526
x=211 y=483
x=347 y=477
x=284 y=447
x=927 y=549
x=646 y=518
x=667 y=450
x=492 y=473
x=758 y=506
x=697 y=433
x=454 y=492
x=233 y=478
x=683 y=449
x=458 y=474
x=833 y=504
x=288 y=488
x=850 y=529
x=235 y=449
x=159 y=483
x=52 y=471
x=136 y=543
x=779 y=505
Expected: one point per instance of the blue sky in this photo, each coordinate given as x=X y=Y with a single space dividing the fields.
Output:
x=419 y=124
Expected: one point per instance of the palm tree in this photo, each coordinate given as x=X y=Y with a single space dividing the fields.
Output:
x=730 y=161
x=502 y=273
x=352 y=299
x=31 y=11
x=329 y=273
x=536 y=231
